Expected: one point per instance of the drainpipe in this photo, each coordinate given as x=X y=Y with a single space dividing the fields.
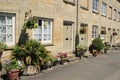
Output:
x=77 y=6
x=77 y=22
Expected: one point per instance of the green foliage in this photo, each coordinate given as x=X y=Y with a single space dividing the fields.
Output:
x=107 y=47
x=81 y=47
x=97 y=44
x=31 y=52
x=13 y=64
x=30 y=23
x=3 y=46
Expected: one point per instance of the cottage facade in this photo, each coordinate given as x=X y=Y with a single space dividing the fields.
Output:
x=59 y=21
x=56 y=21
x=101 y=18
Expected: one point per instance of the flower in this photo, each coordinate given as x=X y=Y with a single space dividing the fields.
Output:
x=13 y=64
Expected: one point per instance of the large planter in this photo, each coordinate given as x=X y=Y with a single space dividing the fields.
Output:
x=31 y=70
x=13 y=74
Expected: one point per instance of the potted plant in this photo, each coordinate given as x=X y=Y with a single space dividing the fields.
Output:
x=81 y=50
x=96 y=45
x=13 y=67
x=106 y=47
x=33 y=53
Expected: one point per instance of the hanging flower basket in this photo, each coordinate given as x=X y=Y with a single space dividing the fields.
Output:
x=114 y=33
x=83 y=31
x=30 y=23
x=103 y=32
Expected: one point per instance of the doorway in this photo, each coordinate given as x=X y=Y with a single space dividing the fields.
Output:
x=67 y=36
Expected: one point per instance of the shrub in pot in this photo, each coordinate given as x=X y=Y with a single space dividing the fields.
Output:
x=33 y=53
x=97 y=45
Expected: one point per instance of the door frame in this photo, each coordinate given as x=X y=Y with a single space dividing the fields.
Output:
x=72 y=34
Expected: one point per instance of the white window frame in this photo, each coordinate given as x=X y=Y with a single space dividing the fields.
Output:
x=12 y=42
x=104 y=9
x=49 y=41
x=94 y=32
x=95 y=5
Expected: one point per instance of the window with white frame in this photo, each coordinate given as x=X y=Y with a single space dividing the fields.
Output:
x=43 y=32
x=7 y=23
x=94 y=31
x=95 y=5
x=104 y=9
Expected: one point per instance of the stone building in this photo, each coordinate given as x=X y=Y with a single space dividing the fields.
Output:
x=59 y=20
x=100 y=18
x=56 y=20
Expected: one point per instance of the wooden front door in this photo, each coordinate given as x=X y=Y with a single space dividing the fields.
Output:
x=67 y=37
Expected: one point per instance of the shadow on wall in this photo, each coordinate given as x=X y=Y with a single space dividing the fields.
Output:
x=23 y=37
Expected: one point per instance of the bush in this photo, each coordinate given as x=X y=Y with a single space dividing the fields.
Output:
x=97 y=44
x=31 y=52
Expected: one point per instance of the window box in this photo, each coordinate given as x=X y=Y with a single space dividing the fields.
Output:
x=103 y=32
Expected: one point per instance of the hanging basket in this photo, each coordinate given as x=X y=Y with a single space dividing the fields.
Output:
x=114 y=33
x=83 y=31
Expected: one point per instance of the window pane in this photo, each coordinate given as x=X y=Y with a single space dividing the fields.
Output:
x=9 y=38
x=95 y=5
x=2 y=19
x=2 y=38
x=9 y=29
x=9 y=20
x=45 y=37
x=2 y=28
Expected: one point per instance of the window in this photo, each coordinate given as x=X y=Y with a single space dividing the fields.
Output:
x=7 y=23
x=103 y=32
x=84 y=4
x=118 y=16
x=110 y=12
x=104 y=9
x=43 y=32
x=114 y=14
x=94 y=31
x=95 y=5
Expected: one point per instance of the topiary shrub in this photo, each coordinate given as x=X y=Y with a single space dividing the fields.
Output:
x=97 y=44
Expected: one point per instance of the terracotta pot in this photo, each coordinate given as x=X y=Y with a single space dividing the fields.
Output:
x=13 y=75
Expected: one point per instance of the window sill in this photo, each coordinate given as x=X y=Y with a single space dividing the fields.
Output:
x=69 y=2
x=104 y=15
x=110 y=18
x=84 y=8
x=96 y=12
x=48 y=44
x=114 y=19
